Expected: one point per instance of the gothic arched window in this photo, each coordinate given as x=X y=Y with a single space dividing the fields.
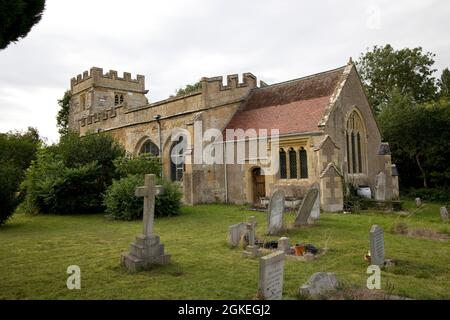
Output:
x=177 y=151
x=149 y=147
x=303 y=164
x=292 y=164
x=355 y=143
x=283 y=170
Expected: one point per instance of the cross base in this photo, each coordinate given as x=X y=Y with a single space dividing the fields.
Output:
x=252 y=252
x=145 y=252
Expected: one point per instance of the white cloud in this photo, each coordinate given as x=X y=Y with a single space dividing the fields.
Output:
x=177 y=42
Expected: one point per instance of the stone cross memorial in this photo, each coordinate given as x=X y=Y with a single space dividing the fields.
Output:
x=276 y=213
x=376 y=238
x=271 y=272
x=306 y=207
x=252 y=250
x=146 y=250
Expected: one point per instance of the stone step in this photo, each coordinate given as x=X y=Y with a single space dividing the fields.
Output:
x=146 y=240
x=132 y=263
x=142 y=251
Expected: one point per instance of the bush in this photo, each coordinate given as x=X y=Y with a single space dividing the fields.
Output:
x=122 y=204
x=441 y=195
x=72 y=176
x=17 y=150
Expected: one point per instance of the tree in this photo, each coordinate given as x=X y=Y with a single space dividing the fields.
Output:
x=62 y=118
x=189 y=88
x=17 y=17
x=409 y=71
x=17 y=151
x=71 y=176
x=418 y=138
x=444 y=84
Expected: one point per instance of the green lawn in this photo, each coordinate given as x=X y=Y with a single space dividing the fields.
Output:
x=35 y=252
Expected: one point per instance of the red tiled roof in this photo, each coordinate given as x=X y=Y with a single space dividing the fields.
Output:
x=291 y=107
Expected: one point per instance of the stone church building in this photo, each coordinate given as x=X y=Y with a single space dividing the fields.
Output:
x=327 y=133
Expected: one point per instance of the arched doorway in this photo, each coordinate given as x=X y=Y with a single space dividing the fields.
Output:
x=258 y=185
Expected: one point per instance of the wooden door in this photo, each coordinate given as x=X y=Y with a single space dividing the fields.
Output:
x=259 y=186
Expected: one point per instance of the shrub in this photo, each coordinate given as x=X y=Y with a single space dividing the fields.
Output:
x=120 y=200
x=122 y=204
x=72 y=176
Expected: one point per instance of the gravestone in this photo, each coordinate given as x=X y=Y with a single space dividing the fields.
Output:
x=284 y=245
x=418 y=202
x=380 y=186
x=444 y=214
x=319 y=284
x=315 y=212
x=271 y=272
x=306 y=207
x=252 y=250
x=146 y=250
x=376 y=238
x=235 y=233
x=276 y=213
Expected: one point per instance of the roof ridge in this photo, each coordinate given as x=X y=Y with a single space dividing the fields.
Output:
x=302 y=78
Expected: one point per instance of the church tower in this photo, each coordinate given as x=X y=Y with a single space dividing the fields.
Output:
x=94 y=92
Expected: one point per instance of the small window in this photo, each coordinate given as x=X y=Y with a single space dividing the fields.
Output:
x=283 y=171
x=118 y=99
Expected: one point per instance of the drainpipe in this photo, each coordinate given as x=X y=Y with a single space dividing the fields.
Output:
x=225 y=171
x=157 y=118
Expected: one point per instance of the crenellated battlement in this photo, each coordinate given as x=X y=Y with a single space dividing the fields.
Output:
x=96 y=77
x=232 y=82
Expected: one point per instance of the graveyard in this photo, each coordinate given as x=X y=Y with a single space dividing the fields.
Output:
x=36 y=251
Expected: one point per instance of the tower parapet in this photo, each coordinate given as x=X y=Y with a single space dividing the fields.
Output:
x=109 y=80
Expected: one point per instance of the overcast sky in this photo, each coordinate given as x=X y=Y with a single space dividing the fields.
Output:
x=174 y=43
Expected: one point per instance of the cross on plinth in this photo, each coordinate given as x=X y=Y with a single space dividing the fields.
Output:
x=147 y=249
x=149 y=191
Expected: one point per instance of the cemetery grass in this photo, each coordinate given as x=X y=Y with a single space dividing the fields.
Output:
x=35 y=252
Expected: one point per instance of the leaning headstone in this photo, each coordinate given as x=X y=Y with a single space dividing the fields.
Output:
x=315 y=212
x=380 y=186
x=376 y=238
x=276 y=213
x=444 y=214
x=284 y=245
x=271 y=272
x=319 y=284
x=418 y=202
x=252 y=250
x=306 y=207
x=235 y=234
x=147 y=250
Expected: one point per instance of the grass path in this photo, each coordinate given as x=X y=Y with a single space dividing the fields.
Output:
x=35 y=252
